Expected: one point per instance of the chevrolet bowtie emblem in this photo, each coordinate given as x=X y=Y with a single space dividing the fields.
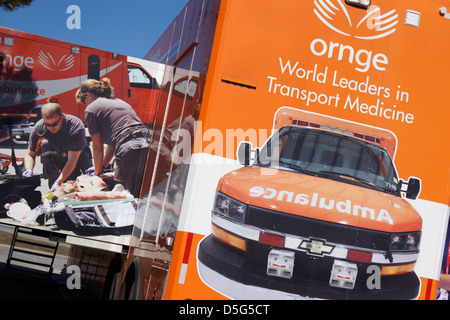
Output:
x=316 y=247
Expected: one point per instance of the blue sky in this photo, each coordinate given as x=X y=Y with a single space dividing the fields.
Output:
x=126 y=27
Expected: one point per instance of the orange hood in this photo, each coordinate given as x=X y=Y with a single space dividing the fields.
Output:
x=321 y=199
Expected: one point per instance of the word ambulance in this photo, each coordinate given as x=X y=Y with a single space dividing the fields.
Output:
x=321 y=202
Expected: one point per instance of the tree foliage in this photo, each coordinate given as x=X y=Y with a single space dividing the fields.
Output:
x=11 y=5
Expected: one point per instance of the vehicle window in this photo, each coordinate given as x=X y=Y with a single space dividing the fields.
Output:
x=185 y=87
x=139 y=78
x=94 y=67
x=327 y=153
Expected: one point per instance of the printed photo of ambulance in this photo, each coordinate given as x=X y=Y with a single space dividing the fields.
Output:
x=318 y=212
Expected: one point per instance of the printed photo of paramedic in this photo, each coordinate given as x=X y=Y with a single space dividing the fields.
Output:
x=103 y=195
x=114 y=123
x=60 y=141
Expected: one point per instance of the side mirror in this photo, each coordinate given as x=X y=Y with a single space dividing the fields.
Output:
x=244 y=153
x=413 y=188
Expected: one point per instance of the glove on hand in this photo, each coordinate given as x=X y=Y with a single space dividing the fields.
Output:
x=90 y=171
x=27 y=173
x=55 y=186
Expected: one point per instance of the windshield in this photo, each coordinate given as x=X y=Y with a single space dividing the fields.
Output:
x=331 y=155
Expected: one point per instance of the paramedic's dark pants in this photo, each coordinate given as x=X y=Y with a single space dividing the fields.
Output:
x=130 y=159
x=53 y=160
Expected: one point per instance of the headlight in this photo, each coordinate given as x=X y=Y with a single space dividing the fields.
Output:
x=406 y=241
x=230 y=208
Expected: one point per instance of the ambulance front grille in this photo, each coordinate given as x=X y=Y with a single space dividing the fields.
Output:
x=312 y=228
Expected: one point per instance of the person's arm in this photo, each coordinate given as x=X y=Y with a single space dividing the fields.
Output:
x=97 y=153
x=109 y=154
x=72 y=159
x=29 y=162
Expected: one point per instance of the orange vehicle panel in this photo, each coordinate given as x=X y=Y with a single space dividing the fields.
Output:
x=286 y=41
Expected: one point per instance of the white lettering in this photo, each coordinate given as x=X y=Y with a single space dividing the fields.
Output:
x=378 y=110
x=272 y=194
x=308 y=96
x=322 y=202
x=289 y=196
x=301 y=73
x=384 y=215
x=74 y=280
x=360 y=86
x=74 y=21
x=17 y=62
x=301 y=199
x=363 y=58
x=256 y=192
x=344 y=207
x=363 y=211
x=328 y=206
x=374 y=280
x=191 y=310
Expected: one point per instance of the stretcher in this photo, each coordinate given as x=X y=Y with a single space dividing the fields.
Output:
x=96 y=217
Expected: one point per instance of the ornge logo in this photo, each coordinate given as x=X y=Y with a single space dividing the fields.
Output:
x=48 y=62
x=373 y=25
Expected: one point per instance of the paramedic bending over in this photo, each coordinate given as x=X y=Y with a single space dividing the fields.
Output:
x=114 y=123
x=60 y=140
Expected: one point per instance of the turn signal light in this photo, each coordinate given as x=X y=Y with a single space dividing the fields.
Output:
x=229 y=238
x=398 y=269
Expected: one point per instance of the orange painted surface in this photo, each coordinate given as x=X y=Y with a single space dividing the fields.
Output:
x=251 y=52
x=192 y=287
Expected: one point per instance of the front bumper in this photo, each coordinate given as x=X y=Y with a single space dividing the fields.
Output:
x=248 y=271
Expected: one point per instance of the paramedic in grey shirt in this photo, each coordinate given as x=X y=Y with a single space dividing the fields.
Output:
x=114 y=123
x=60 y=140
